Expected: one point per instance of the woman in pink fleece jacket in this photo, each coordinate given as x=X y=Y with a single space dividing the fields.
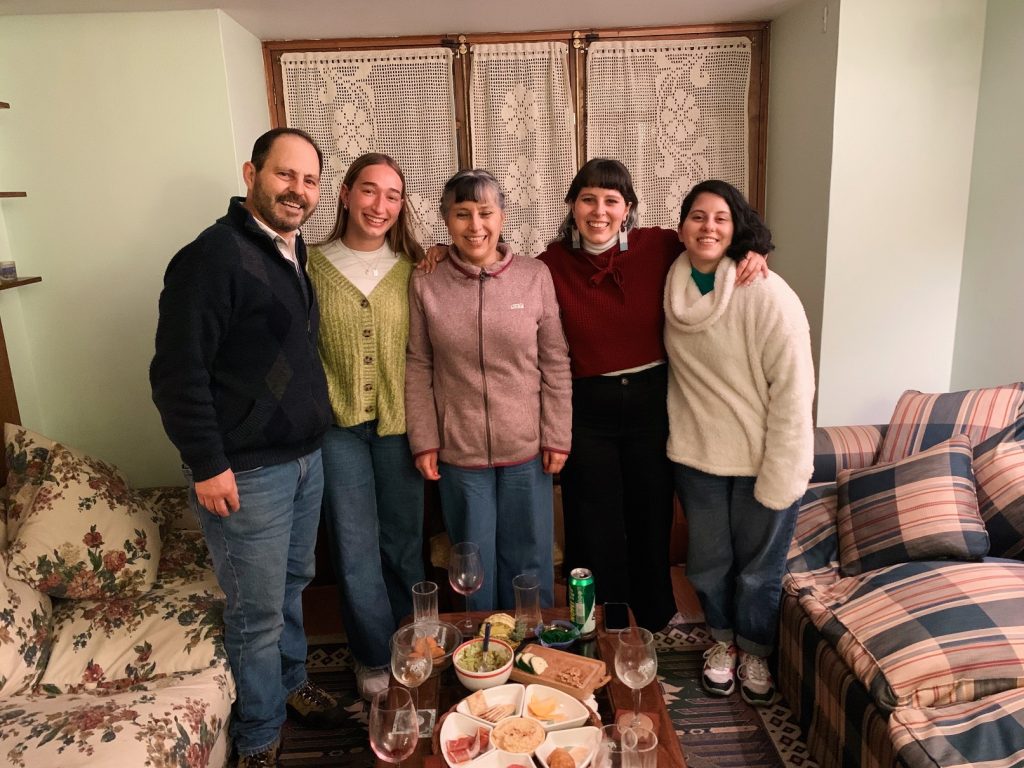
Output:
x=488 y=391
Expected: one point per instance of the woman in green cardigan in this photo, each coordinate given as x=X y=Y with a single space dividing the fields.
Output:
x=373 y=494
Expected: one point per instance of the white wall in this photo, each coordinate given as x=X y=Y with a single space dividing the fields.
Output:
x=906 y=97
x=247 y=89
x=801 y=95
x=988 y=347
x=125 y=141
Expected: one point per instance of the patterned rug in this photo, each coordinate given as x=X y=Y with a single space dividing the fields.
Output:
x=714 y=732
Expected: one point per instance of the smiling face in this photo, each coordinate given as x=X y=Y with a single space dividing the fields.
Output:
x=374 y=202
x=285 y=191
x=475 y=228
x=599 y=213
x=707 y=231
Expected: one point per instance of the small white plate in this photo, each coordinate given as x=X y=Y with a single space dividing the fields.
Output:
x=510 y=693
x=568 y=712
x=498 y=759
x=574 y=737
x=457 y=725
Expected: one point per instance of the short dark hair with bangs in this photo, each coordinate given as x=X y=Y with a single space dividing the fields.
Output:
x=470 y=185
x=603 y=173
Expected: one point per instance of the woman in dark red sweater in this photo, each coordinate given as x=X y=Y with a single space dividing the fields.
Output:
x=617 y=485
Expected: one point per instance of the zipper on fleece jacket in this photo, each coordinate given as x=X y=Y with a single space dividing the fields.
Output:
x=483 y=370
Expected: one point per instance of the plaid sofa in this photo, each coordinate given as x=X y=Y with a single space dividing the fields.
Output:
x=916 y=663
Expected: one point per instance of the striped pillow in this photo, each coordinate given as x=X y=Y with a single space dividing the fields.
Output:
x=813 y=547
x=999 y=474
x=924 y=507
x=922 y=420
x=846 y=447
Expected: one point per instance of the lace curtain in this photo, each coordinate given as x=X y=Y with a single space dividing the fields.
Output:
x=399 y=102
x=675 y=113
x=521 y=123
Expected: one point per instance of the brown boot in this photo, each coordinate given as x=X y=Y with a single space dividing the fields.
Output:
x=265 y=759
x=312 y=706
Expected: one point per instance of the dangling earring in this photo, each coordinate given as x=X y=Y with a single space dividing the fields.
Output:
x=623 y=239
x=575 y=237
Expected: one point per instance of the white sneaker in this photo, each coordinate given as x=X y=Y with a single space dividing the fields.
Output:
x=371 y=680
x=756 y=684
x=719 y=677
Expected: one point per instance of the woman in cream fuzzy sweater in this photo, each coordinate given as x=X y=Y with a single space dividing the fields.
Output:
x=739 y=401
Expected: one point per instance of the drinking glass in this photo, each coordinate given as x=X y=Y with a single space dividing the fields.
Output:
x=617 y=748
x=646 y=747
x=424 y=602
x=393 y=728
x=526 y=587
x=636 y=662
x=412 y=663
x=466 y=575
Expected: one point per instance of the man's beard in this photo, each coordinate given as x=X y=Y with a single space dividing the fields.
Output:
x=264 y=206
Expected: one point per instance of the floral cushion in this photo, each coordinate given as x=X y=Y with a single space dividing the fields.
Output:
x=999 y=473
x=922 y=420
x=86 y=535
x=134 y=642
x=24 y=634
x=924 y=507
x=179 y=725
x=185 y=559
x=27 y=455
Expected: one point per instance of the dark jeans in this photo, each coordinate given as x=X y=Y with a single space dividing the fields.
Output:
x=737 y=551
x=617 y=491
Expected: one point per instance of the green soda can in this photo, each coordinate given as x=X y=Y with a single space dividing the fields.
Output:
x=581 y=602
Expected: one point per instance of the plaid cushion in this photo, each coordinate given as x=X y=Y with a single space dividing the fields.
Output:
x=923 y=420
x=927 y=633
x=999 y=475
x=812 y=552
x=924 y=507
x=987 y=732
x=838 y=448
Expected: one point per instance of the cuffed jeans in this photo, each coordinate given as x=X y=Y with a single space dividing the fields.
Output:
x=617 y=491
x=373 y=511
x=736 y=556
x=507 y=512
x=263 y=557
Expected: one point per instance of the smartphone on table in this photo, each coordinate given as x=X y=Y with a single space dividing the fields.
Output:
x=616 y=617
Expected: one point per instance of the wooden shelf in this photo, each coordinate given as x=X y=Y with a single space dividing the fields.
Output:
x=13 y=194
x=5 y=284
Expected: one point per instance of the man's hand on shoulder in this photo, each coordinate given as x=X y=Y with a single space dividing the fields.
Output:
x=219 y=494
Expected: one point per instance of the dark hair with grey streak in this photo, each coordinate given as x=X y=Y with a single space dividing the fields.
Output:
x=470 y=185
x=603 y=173
x=261 y=149
x=749 y=233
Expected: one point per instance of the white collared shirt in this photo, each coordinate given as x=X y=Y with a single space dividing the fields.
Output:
x=285 y=247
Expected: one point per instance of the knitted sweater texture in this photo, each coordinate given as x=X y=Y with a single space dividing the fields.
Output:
x=611 y=302
x=362 y=344
x=487 y=374
x=236 y=375
x=742 y=381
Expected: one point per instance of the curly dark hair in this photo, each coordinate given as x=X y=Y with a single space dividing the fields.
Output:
x=749 y=232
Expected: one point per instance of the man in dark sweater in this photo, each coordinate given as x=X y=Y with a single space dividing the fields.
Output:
x=238 y=383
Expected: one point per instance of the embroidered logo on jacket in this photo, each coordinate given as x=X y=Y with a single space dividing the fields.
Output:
x=518 y=306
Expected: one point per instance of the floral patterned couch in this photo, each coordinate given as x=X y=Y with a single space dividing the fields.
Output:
x=902 y=626
x=111 y=628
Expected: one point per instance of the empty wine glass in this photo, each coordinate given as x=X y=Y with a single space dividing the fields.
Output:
x=394 y=730
x=466 y=575
x=636 y=662
x=411 y=660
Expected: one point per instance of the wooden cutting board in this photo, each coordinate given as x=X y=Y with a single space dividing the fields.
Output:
x=579 y=676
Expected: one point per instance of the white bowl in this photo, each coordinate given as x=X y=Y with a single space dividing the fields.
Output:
x=587 y=737
x=457 y=725
x=511 y=694
x=568 y=713
x=477 y=681
x=498 y=759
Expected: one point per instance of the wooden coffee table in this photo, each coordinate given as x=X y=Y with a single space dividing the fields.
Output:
x=444 y=692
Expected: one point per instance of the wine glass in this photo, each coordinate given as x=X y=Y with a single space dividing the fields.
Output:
x=411 y=660
x=636 y=662
x=466 y=575
x=394 y=729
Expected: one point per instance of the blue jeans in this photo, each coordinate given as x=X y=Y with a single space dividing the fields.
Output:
x=373 y=511
x=263 y=557
x=736 y=556
x=508 y=513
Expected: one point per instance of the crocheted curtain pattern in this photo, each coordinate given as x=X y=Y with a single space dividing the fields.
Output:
x=522 y=127
x=675 y=113
x=397 y=101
